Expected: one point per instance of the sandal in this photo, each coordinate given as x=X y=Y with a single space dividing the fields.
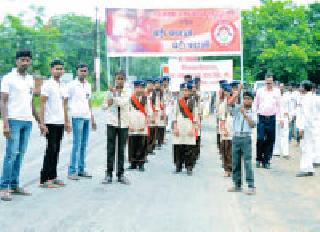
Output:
x=48 y=184
x=60 y=183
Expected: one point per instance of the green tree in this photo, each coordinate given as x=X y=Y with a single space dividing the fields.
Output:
x=277 y=39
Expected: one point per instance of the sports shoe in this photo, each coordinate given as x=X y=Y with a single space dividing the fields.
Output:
x=234 y=189
x=85 y=175
x=73 y=177
x=20 y=191
x=123 y=180
x=250 y=191
x=6 y=196
x=107 y=180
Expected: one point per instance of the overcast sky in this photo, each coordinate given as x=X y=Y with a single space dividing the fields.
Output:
x=87 y=7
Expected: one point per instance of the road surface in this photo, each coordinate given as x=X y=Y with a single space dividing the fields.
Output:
x=159 y=201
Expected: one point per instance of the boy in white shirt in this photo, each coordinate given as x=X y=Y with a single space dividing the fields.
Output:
x=79 y=95
x=53 y=122
x=17 y=109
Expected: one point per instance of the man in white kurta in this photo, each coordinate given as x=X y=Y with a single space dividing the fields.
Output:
x=281 y=146
x=306 y=124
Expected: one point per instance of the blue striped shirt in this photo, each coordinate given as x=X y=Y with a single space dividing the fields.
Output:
x=240 y=124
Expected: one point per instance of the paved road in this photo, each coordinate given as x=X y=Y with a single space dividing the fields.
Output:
x=158 y=200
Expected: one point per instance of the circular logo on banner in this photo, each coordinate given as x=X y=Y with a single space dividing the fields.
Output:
x=223 y=33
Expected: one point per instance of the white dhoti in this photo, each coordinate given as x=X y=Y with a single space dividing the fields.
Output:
x=307 y=147
x=281 y=146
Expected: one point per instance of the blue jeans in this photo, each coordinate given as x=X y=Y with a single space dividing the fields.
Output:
x=80 y=131
x=16 y=147
x=241 y=150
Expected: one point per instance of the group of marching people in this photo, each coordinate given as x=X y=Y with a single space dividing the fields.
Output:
x=145 y=116
x=280 y=113
x=139 y=118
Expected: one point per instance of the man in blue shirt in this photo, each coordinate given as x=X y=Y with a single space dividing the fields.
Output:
x=243 y=123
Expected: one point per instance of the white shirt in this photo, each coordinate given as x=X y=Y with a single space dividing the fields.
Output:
x=292 y=103
x=284 y=107
x=308 y=113
x=121 y=102
x=79 y=95
x=54 y=110
x=20 y=91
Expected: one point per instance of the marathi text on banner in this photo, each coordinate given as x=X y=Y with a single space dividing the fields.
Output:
x=173 y=32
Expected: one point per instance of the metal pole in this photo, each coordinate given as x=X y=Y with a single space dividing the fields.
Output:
x=127 y=66
x=97 y=60
x=241 y=47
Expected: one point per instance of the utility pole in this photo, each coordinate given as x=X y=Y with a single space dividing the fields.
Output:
x=97 y=61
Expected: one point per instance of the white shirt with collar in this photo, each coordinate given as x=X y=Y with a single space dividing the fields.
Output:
x=20 y=91
x=55 y=92
x=79 y=95
x=121 y=102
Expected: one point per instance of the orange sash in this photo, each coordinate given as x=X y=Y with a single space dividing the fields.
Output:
x=138 y=104
x=185 y=108
x=141 y=108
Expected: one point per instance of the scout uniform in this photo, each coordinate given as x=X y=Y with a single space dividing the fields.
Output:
x=226 y=132
x=219 y=100
x=167 y=95
x=162 y=122
x=158 y=108
x=199 y=109
x=184 y=120
x=151 y=118
x=138 y=129
x=117 y=126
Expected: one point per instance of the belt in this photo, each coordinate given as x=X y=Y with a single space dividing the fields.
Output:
x=242 y=134
x=267 y=117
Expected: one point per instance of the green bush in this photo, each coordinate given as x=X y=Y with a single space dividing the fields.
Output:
x=97 y=99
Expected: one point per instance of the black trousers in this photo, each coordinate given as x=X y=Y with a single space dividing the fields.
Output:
x=137 y=150
x=152 y=139
x=266 y=136
x=198 y=147
x=160 y=135
x=183 y=155
x=112 y=134
x=51 y=157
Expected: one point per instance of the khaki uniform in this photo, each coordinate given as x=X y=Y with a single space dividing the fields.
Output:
x=138 y=133
x=183 y=145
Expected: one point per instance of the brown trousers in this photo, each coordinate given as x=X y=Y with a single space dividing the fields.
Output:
x=226 y=151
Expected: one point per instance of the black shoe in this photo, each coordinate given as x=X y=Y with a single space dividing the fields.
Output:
x=258 y=164
x=178 y=170
x=141 y=169
x=132 y=167
x=189 y=171
x=266 y=166
x=304 y=174
x=123 y=180
x=316 y=165
x=85 y=175
x=107 y=180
